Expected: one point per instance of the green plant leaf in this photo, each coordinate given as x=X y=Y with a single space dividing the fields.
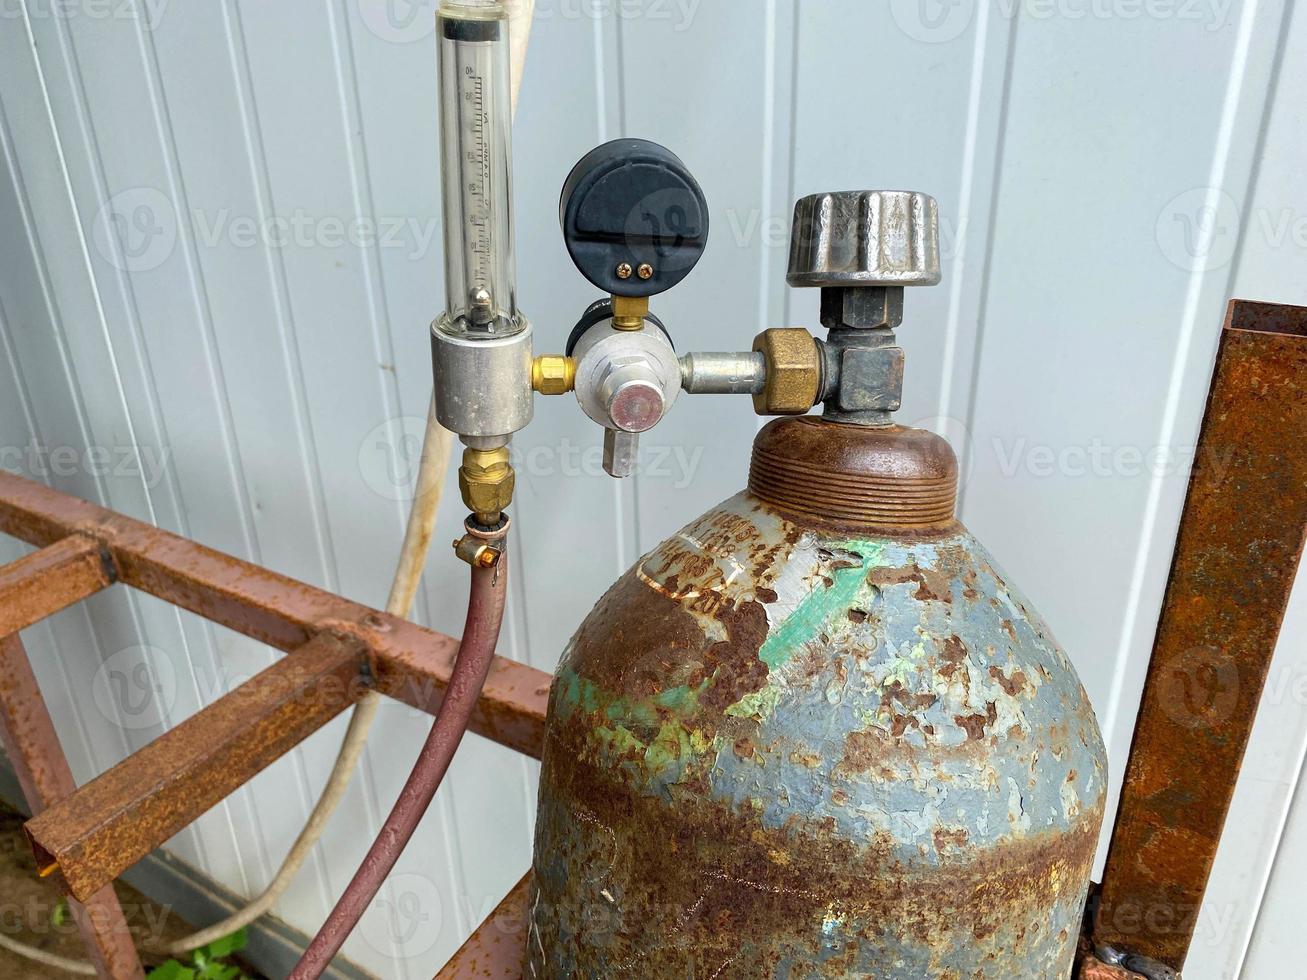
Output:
x=225 y=946
x=61 y=914
x=172 y=970
x=219 y=971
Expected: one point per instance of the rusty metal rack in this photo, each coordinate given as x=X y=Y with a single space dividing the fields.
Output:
x=1241 y=536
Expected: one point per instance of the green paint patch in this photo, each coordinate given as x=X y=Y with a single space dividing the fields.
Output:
x=758 y=704
x=819 y=606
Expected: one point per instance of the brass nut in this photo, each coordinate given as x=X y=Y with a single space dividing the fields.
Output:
x=629 y=312
x=793 y=382
x=486 y=482
x=553 y=374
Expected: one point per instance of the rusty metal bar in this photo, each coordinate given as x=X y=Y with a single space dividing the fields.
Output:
x=96 y=833
x=497 y=950
x=38 y=759
x=411 y=664
x=1240 y=540
x=44 y=582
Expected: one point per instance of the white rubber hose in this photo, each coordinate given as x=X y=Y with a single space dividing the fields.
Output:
x=437 y=447
x=80 y=967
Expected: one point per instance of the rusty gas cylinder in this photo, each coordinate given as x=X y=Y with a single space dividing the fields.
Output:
x=817 y=733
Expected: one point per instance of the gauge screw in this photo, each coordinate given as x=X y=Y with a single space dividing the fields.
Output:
x=646 y=271
x=624 y=271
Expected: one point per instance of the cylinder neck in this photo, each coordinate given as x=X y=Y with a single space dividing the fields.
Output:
x=870 y=478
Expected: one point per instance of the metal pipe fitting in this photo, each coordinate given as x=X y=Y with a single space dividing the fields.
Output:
x=794 y=369
x=482 y=546
x=629 y=312
x=486 y=480
x=483 y=381
x=733 y=373
x=553 y=374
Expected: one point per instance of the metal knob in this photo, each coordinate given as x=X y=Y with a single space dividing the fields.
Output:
x=865 y=238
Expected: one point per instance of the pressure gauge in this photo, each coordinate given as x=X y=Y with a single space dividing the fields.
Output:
x=634 y=218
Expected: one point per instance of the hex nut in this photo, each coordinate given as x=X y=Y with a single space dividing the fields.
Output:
x=553 y=374
x=486 y=481
x=793 y=383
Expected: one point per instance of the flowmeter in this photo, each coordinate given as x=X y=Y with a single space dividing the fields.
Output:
x=481 y=344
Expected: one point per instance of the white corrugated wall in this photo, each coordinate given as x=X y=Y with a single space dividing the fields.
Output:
x=219 y=254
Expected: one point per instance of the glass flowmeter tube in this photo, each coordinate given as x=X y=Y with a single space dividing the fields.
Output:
x=481 y=344
x=476 y=156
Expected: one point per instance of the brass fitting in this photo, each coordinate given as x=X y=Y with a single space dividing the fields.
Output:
x=482 y=546
x=486 y=482
x=793 y=383
x=553 y=374
x=629 y=312
x=476 y=551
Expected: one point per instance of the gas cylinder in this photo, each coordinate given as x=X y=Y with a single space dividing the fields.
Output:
x=818 y=732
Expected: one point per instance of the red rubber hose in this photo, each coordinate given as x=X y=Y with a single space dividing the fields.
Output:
x=485 y=614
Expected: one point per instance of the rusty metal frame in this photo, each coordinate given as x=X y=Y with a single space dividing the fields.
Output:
x=1239 y=545
x=1240 y=539
x=338 y=649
